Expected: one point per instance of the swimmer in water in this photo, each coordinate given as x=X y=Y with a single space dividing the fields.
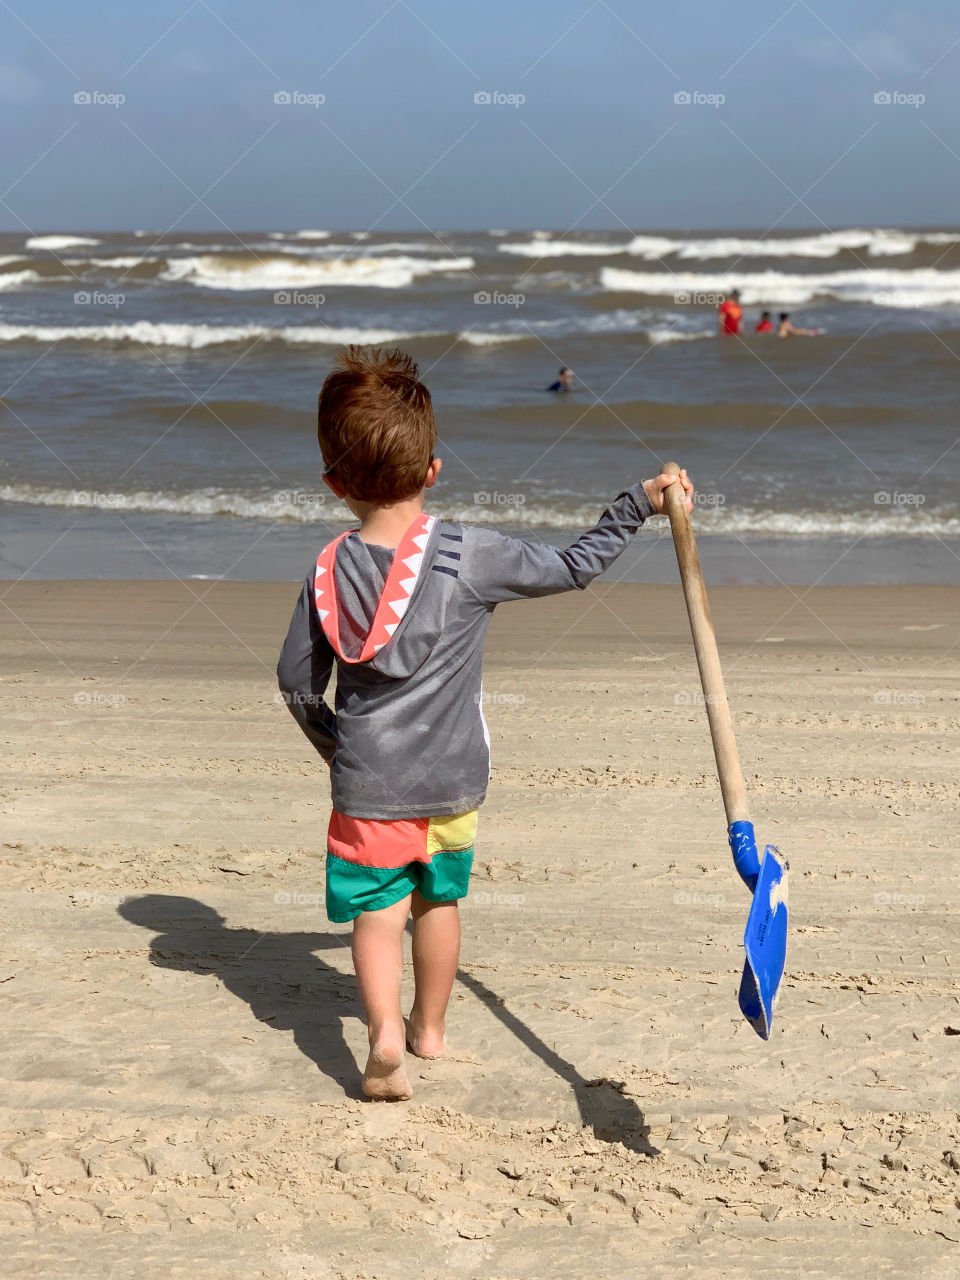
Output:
x=729 y=315
x=564 y=382
x=764 y=324
x=787 y=330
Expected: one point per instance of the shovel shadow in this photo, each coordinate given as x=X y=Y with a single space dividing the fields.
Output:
x=611 y=1115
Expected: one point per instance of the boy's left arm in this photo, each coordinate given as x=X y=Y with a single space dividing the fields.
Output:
x=303 y=673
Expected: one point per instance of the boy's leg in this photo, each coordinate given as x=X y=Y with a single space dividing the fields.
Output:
x=436 y=954
x=378 y=963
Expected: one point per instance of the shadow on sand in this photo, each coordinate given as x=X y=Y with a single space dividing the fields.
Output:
x=289 y=987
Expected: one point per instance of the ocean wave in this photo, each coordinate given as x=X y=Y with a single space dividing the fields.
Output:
x=878 y=286
x=660 y=336
x=340 y=249
x=197 y=336
x=210 y=272
x=876 y=241
x=317 y=506
x=490 y=337
x=60 y=242
x=612 y=323
x=562 y=249
x=11 y=279
x=891 y=523
x=303 y=506
x=123 y=263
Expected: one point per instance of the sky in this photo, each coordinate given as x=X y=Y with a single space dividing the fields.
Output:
x=583 y=128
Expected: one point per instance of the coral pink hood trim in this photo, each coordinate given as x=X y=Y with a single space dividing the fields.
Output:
x=394 y=599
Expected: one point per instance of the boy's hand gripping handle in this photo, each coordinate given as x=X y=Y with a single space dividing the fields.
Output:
x=732 y=786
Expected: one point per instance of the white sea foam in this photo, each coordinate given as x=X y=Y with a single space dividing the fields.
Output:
x=283 y=505
x=210 y=272
x=60 y=242
x=197 y=336
x=920 y=287
x=11 y=279
x=314 y=506
x=490 y=337
x=875 y=242
x=110 y=263
x=660 y=336
x=336 y=249
x=561 y=249
x=890 y=523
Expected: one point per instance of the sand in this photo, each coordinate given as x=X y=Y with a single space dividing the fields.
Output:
x=182 y=1040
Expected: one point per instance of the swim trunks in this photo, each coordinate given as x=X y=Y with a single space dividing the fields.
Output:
x=373 y=863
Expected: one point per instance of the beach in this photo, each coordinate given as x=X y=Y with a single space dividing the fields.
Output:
x=182 y=1031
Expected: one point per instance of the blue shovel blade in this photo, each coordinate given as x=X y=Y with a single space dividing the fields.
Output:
x=765 y=942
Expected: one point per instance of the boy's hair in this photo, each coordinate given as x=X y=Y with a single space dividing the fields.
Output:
x=375 y=425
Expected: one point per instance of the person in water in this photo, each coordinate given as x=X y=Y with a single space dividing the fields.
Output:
x=787 y=330
x=729 y=314
x=764 y=324
x=564 y=380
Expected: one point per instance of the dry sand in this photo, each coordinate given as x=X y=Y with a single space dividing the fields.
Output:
x=181 y=1029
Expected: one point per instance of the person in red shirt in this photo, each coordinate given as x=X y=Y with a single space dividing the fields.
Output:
x=730 y=314
x=765 y=324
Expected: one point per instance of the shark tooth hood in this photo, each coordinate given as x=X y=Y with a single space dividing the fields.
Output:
x=408 y=618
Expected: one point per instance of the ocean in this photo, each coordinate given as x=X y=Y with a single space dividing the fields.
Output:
x=159 y=394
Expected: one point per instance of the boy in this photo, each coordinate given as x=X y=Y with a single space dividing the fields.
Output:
x=402 y=606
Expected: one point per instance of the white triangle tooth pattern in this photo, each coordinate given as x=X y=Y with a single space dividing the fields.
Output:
x=399 y=607
x=421 y=541
x=414 y=562
x=323 y=614
x=321 y=569
x=390 y=627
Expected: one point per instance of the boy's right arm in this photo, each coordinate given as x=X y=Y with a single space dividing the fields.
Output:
x=303 y=674
x=518 y=568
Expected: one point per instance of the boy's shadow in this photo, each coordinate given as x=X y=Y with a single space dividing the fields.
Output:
x=286 y=986
x=289 y=988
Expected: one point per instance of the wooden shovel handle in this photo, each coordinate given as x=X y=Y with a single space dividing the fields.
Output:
x=708 y=660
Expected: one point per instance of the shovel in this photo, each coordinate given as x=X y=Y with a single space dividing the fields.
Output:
x=765 y=937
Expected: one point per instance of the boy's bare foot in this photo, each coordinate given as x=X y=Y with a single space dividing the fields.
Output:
x=423 y=1043
x=385 y=1076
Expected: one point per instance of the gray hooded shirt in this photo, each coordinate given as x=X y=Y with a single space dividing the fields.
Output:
x=408 y=738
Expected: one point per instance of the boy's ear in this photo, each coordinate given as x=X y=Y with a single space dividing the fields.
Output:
x=332 y=484
x=432 y=472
